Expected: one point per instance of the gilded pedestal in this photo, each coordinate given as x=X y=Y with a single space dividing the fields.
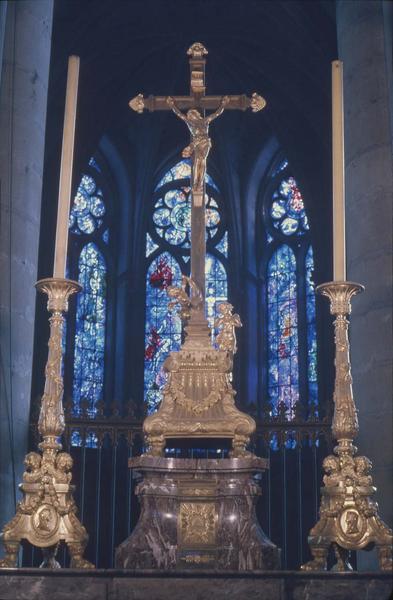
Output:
x=198 y=513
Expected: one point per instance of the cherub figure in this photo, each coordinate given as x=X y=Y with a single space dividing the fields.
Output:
x=331 y=466
x=64 y=464
x=363 y=467
x=200 y=140
x=226 y=323
x=33 y=467
x=181 y=297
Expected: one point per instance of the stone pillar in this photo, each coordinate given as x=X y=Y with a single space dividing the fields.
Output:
x=363 y=32
x=23 y=98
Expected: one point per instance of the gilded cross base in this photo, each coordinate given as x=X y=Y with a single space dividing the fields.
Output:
x=198 y=399
x=348 y=516
x=46 y=514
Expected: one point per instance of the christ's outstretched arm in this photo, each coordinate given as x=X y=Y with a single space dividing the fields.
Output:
x=170 y=101
x=219 y=111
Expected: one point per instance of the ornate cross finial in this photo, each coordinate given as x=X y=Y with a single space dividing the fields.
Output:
x=197 y=50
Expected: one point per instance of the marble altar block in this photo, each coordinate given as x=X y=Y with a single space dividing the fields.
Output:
x=198 y=513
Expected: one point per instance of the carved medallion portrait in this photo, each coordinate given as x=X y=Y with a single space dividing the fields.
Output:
x=45 y=521
x=352 y=524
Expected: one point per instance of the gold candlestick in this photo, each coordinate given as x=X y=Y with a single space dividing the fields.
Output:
x=46 y=514
x=348 y=516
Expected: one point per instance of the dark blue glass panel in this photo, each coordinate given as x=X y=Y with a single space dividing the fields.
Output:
x=311 y=329
x=283 y=372
x=216 y=287
x=150 y=245
x=222 y=245
x=90 y=329
x=93 y=163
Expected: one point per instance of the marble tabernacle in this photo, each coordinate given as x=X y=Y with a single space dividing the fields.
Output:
x=198 y=513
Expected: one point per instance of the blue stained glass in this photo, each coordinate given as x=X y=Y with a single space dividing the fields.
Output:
x=90 y=329
x=76 y=438
x=283 y=372
x=88 y=208
x=162 y=329
x=150 y=245
x=287 y=209
x=283 y=165
x=182 y=170
x=172 y=217
x=222 y=245
x=216 y=287
x=93 y=163
x=311 y=329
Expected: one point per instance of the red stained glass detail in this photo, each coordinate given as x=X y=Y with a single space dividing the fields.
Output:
x=296 y=200
x=283 y=350
x=162 y=277
x=154 y=342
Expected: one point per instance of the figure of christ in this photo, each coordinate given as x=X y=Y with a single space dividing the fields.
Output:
x=200 y=140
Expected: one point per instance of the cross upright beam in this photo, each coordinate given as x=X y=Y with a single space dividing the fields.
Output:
x=195 y=105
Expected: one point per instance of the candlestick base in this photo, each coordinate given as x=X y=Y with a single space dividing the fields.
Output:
x=46 y=514
x=348 y=516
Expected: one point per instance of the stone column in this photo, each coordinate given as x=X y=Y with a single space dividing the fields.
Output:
x=363 y=30
x=23 y=98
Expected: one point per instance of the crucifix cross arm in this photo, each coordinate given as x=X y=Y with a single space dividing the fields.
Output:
x=236 y=102
x=224 y=102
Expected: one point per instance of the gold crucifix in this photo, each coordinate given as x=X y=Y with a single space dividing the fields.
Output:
x=195 y=106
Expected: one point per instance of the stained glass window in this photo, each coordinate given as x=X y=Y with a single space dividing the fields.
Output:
x=311 y=330
x=168 y=250
x=90 y=239
x=287 y=209
x=282 y=330
x=90 y=328
x=290 y=289
x=88 y=208
x=172 y=216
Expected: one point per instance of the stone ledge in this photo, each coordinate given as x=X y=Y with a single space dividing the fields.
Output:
x=113 y=584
